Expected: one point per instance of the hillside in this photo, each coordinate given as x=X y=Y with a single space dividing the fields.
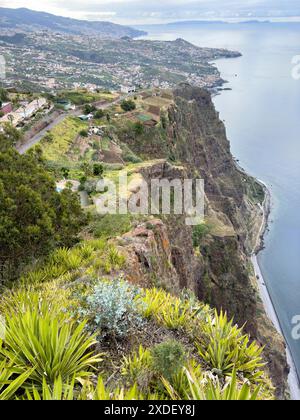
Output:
x=140 y=299
x=29 y=21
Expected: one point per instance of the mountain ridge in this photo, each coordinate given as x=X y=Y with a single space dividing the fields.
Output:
x=28 y=20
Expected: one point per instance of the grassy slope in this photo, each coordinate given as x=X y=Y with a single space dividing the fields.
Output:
x=63 y=136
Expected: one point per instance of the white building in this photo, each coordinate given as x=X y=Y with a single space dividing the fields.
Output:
x=128 y=89
x=24 y=112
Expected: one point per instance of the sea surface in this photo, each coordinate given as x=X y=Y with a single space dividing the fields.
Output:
x=262 y=117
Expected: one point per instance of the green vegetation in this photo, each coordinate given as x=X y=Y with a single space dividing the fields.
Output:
x=89 y=109
x=111 y=308
x=255 y=190
x=37 y=340
x=168 y=359
x=224 y=347
x=82 y=97
x=128 y=155
x=3 y=96
x=62 y=137
x=128 y=105
x=98 y=169
x=76 y=328
x=83 y=133
x=34 y=217
x=47 y=354
x=99 y=114
x=199 y=233
x=110 y=226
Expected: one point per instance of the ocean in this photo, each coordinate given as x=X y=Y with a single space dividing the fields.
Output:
x=262 y=118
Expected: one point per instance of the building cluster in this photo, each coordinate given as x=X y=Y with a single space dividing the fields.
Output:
x=6 y=108
x=50 y=61
x=24 y=112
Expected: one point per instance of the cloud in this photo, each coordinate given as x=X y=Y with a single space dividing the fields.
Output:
x=164 y=10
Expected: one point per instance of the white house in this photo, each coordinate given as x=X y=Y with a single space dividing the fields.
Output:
x=128 y=89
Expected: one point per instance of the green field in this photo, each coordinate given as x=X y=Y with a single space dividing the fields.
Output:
x=144 y=117
x=81 y=97
x=64 y=135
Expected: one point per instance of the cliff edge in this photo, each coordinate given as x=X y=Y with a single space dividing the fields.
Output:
x=216 y=263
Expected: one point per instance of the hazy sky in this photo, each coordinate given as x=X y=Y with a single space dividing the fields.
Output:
x=143 y=11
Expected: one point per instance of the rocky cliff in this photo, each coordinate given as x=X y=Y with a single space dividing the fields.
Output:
x=219 y=270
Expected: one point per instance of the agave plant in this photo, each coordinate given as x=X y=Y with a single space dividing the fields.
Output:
x=135 y=364
x=10 y=386
x=69 y=259
x=205 y=387
x=51 y=344
x=224 y=348
x=50 y=298
x=87 y=392
x=212 y=389
x=115 y=258
x=57 y=392
x=170 y=311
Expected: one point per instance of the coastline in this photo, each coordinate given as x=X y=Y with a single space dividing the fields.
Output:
x=293 y=379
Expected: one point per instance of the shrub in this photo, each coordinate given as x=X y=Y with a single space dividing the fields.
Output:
x=89 y=109
x=65 y=172
x=116 y=259
x=69 y=259
x=98 y=169
x=128 y=105
x=87 y=169
x=168 y=358
x=138 y=128
x=199 y=233
x=132 y=158
x=99 y=114
x=112 y=310
x=83 y=133
x=57 y=392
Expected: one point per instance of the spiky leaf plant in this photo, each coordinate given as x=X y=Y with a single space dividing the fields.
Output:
x=50 y=343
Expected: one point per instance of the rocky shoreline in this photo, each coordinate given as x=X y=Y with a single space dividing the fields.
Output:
x=269 y=307
x=293 y=379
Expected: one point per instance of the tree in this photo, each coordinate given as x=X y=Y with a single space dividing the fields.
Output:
x=128 y=105
x=99 y=114
x=86 y=169
x=9 y=137
x=199 y=234
x=89 y=109
x=3 y=95
x=65 y=172
x=34 y=217
x=98 y=169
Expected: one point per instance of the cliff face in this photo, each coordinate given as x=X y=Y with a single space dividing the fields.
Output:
x=220 y=272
